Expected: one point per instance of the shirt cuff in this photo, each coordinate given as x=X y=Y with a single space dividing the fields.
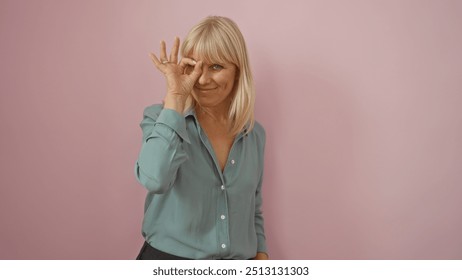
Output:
x=261 y=245
x=175 y=121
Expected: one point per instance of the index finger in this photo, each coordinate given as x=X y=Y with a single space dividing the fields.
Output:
x=156 y=61
x=174 y=52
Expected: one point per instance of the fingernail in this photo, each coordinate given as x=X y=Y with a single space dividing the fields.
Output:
x=194 y=62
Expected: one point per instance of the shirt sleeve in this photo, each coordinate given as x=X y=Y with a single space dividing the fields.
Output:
x=162 y=153
x=259 y=221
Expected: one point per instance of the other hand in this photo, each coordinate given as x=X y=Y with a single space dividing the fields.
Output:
x=261 y=256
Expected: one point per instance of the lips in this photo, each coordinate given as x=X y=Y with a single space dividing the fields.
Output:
x=205 y=89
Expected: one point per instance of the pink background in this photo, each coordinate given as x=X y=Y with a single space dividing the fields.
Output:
x=361 y=101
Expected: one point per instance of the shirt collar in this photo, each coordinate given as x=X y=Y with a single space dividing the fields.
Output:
x=190 y=112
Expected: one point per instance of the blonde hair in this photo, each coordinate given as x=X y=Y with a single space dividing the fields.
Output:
x=218 y=40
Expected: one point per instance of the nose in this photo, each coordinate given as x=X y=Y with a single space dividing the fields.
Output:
x=204 y=78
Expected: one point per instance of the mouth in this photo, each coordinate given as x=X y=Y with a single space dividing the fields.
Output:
x=205 y=89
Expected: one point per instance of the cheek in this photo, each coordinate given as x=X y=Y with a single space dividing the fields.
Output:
x=227 y=81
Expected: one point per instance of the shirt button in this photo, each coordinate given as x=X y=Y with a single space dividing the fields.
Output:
x=232 y=161
x=222 y=187
x=223 y=217
x=223 y=246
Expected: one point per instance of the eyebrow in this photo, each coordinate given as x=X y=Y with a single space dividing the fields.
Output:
x=211 y=62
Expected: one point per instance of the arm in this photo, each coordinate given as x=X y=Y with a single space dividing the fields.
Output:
x=162 y=153
x=259 y=221
x=164 y=130
x=259 y=225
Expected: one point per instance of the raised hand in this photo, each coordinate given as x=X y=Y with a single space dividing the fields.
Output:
x=180 y=82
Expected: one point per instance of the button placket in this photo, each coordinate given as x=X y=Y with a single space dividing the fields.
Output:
x=222 y=223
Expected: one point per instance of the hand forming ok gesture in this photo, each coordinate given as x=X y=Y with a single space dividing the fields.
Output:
x=179 y=82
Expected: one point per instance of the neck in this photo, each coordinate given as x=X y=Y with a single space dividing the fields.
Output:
x=216 y=113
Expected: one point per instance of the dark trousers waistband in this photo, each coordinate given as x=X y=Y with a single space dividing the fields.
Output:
x=148 y=252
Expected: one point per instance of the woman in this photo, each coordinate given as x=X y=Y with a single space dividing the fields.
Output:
x=201 y=158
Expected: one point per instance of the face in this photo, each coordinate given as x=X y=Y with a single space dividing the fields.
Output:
x=215 y=85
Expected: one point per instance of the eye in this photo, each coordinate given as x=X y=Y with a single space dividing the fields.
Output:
x=216 y=67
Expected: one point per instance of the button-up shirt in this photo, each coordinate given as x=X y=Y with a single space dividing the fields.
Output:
x=193 y=209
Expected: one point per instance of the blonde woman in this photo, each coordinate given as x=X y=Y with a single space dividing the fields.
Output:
x=201 y=158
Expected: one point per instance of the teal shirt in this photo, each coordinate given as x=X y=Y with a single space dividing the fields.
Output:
x=192 y=209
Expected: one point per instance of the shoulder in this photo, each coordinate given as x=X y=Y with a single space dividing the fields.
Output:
x=259 y=134
x=258 y=138
x=259 y=130
x=153 y=111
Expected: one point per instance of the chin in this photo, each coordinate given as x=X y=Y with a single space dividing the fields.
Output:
x=202 y=100
x=204 y=103
x=207 y=100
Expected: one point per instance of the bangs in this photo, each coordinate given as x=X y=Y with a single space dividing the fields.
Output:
x=211 y=45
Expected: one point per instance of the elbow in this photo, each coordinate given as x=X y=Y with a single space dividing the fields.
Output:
x=153 y=184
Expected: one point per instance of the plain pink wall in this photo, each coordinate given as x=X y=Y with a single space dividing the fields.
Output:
x=360 y=99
